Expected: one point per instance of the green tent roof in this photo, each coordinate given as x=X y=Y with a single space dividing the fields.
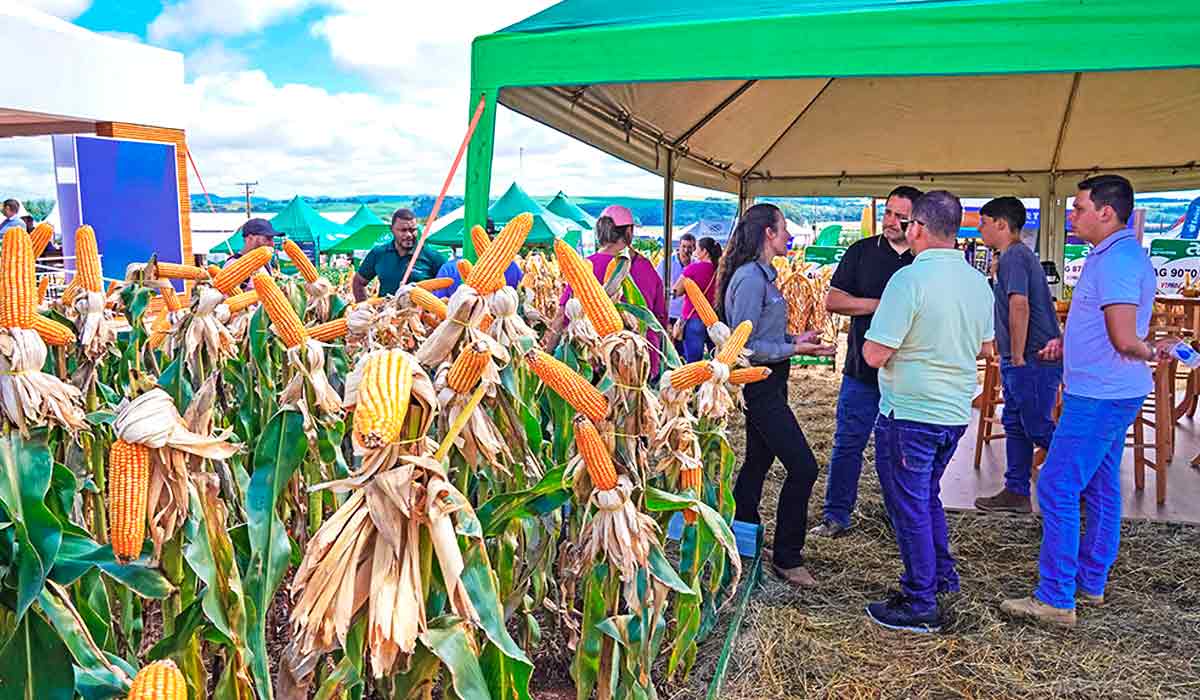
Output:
x=298 y=221
x=362 y=217
x=564 y=207
x=547 y=225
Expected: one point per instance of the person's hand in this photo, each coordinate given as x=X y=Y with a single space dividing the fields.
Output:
x=1053 y=352
x=809 y=337
x=1017 y=361
x=815 y=349
x=1162 y=347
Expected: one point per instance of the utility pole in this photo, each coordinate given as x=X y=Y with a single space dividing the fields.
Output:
x=249 y=189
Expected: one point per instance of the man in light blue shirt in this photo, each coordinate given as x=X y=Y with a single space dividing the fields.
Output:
x=1107 y=379
x=934 y=319
x=10 y=218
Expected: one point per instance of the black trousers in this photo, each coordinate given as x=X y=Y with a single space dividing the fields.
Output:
x=773 y=431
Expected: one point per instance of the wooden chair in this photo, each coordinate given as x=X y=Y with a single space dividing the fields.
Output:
x=992 y=396
x=1157 y=415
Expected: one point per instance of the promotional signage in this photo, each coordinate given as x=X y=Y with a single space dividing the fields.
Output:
x=1073 y=257
x=1175 y=261
x=1191 y=221
x=822 y=258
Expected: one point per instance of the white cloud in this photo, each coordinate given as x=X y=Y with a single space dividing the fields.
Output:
x=193 y=18
x=66 y=9
x=214 y=57
x=26 y=168
x=124 y=36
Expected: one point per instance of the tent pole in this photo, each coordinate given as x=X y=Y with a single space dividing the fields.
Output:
x=479 y=168
x=745 y=199
x=668 y=218
x=1052 y=236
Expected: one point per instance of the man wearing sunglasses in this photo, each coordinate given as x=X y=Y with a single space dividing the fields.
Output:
x=933 y=321
x=855 y=288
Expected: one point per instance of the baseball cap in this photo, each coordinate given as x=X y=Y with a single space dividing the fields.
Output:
x=259 y=227
x=620 y=215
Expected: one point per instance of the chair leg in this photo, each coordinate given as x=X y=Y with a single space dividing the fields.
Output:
x=987 y=408
x=1139 y=453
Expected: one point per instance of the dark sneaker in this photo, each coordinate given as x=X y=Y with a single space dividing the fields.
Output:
x=896 y=613
x=1005 y=502
x=830 y=529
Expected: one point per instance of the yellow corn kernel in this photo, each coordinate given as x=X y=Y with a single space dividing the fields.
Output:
x=488 y=274
x=748 y=375
x=307 y=270
x=213 y=271
x=284 y=320
x=435 y=283
x=464 y=268
x=69 y=292
x=42 y=234
x=383 y=395
x=52 y=332
x=87 y=260
x=485 y=323
x=691 y=479
x=176 y=271
x=468 y=368
x=159 y=331
x=170 y=298
x=597 y=306
x=128 y=480
x=480 y=239
x=330 y=330
x=161 y=680
x=240 y=269
x=595 y=454
x=732 y=349
x=691 y=375
x=566 y=382
x=700 y=302
x=18 y=288
x=238 y=302
x=43 y=286
x=425 y=300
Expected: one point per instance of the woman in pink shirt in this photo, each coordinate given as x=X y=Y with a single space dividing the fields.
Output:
x=702 y=271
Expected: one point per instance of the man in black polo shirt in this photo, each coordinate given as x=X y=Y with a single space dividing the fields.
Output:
x=389 y=261
x=855 y=289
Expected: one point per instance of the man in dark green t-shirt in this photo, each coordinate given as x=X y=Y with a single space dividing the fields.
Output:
x=390 y=260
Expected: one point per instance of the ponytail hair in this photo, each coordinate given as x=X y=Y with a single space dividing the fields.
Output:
x=710 y=246
x=745 y=244
x=608 y=232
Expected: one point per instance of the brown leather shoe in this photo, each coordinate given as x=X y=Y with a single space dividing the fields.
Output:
x=1005 y=502
x=1089 y=599
x=797 y=576
x=1031 y=608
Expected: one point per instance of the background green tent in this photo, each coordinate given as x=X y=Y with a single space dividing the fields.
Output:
x=298 y=221
x=818 y=112
x=547 y=225
x=564 y=207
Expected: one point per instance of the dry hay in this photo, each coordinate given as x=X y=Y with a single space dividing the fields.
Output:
x=1144 y=642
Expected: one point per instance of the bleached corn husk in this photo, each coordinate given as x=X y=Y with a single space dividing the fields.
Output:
x=580 y=331
x=308 y=364
x=369 y=554
x=480 y=440
x=464 y=313
x=673 y=403
x=507 y=327
x=618 y=531
x=633 y=407
x=714 y=400
x=543 y=287
x=395 y=323
x=718 y=333
x=204 y=329
x=320 y=296
x=30 y=397
x=99 y=332
x=152 y=420
x=678 y=447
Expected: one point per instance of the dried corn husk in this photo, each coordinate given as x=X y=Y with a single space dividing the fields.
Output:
x=464 y=314
x=204 y=330
x=29 y=396
x=99 y=333
x=617 y=531
x=581 y=332
x=633 y=408
x=543 y=287
x=480 y=440
x=320 y=295
x=507 y=327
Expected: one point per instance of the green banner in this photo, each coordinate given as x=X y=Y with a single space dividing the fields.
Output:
x=1176 y=262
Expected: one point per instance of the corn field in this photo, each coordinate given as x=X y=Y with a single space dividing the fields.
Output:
x=424 y=484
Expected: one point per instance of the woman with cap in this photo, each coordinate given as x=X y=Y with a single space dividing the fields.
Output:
x=747 y=291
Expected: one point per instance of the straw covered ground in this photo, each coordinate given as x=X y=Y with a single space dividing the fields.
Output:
x=1144 y=643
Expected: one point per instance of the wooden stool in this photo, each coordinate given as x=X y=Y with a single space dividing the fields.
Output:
x=990 y=426
x=1157 y=414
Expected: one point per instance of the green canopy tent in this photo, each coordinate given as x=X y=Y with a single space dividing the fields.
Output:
x=564 y=207
x=298 y=221
x=362 y=217
x=547 y=225
x=821 y=97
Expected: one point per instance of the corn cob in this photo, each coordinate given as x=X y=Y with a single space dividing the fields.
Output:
x=87 y=260
x=307 y=270
x=284 y=320
x=691 y=375
x=43 y=285
x=425 y=299
x=128 y=480
x=480 y=239
x=52 y=332
x=330 y=330
x=435 y=283
x=159 y=331
x=748 y=375
x=468 y=368
x=485 y=323
x=175 y=271
x=18 y=288
x=383 y=396
x=594 y=452
x=240 y=270
x=488 y=274
x=691 y=479
x=237 y=302
x=170 y=299
x=112 y=287
x=567 y=383
x=42 y=234
x=699 y=302
x=732 y=349
x=464 y=267
x=584 y=285
x=213 y=271
x=161 y=680
x=69 y=292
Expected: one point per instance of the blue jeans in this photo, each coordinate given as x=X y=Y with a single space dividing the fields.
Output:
x=857 y=409
x=1084 y=460
x=910 y=458
x=695 y=337
x=1029 y=395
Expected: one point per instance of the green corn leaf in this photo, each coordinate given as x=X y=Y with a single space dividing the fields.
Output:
x=34 y=664
x=27 y=469
x=545 y=497
x=448 y=638
x=173 y=380
x=79 y=554
x=187 y=624
x=55 y=603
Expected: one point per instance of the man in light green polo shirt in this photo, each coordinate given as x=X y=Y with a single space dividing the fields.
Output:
x=933 y=321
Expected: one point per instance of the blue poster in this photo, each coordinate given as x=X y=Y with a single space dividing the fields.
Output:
x=1191 y=221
